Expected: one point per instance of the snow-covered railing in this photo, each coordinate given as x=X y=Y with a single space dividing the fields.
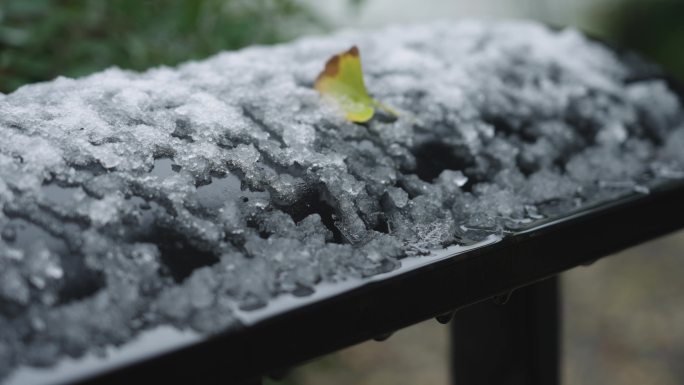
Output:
x=216 y=196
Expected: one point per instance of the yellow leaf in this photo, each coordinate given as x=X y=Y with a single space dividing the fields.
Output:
x=342 y=82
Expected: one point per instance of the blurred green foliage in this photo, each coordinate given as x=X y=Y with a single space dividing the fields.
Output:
x=653 y=28
x=41 y=39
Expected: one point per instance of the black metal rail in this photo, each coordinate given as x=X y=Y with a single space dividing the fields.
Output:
x=383 y=306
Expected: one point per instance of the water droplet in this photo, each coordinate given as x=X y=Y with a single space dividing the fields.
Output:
x=279 y=375
x=589 y=263
x=502 y=299
x=383 y=337
x=445 y=318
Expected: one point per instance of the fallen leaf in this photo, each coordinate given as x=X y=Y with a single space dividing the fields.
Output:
x=342 y=82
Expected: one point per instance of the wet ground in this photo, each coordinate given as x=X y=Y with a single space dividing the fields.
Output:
x=623 y=320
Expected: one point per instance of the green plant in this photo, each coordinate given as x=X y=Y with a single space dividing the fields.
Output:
x=655 y=29
x=41 y=39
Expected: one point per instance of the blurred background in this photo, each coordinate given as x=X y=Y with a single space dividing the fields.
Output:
x=623 y=316
x=41 y=39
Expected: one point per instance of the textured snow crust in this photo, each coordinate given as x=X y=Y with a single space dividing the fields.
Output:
x=179 y=195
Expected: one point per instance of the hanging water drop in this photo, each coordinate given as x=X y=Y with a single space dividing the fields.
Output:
x=383 y=337
x=445 y=318
x=502 y=299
